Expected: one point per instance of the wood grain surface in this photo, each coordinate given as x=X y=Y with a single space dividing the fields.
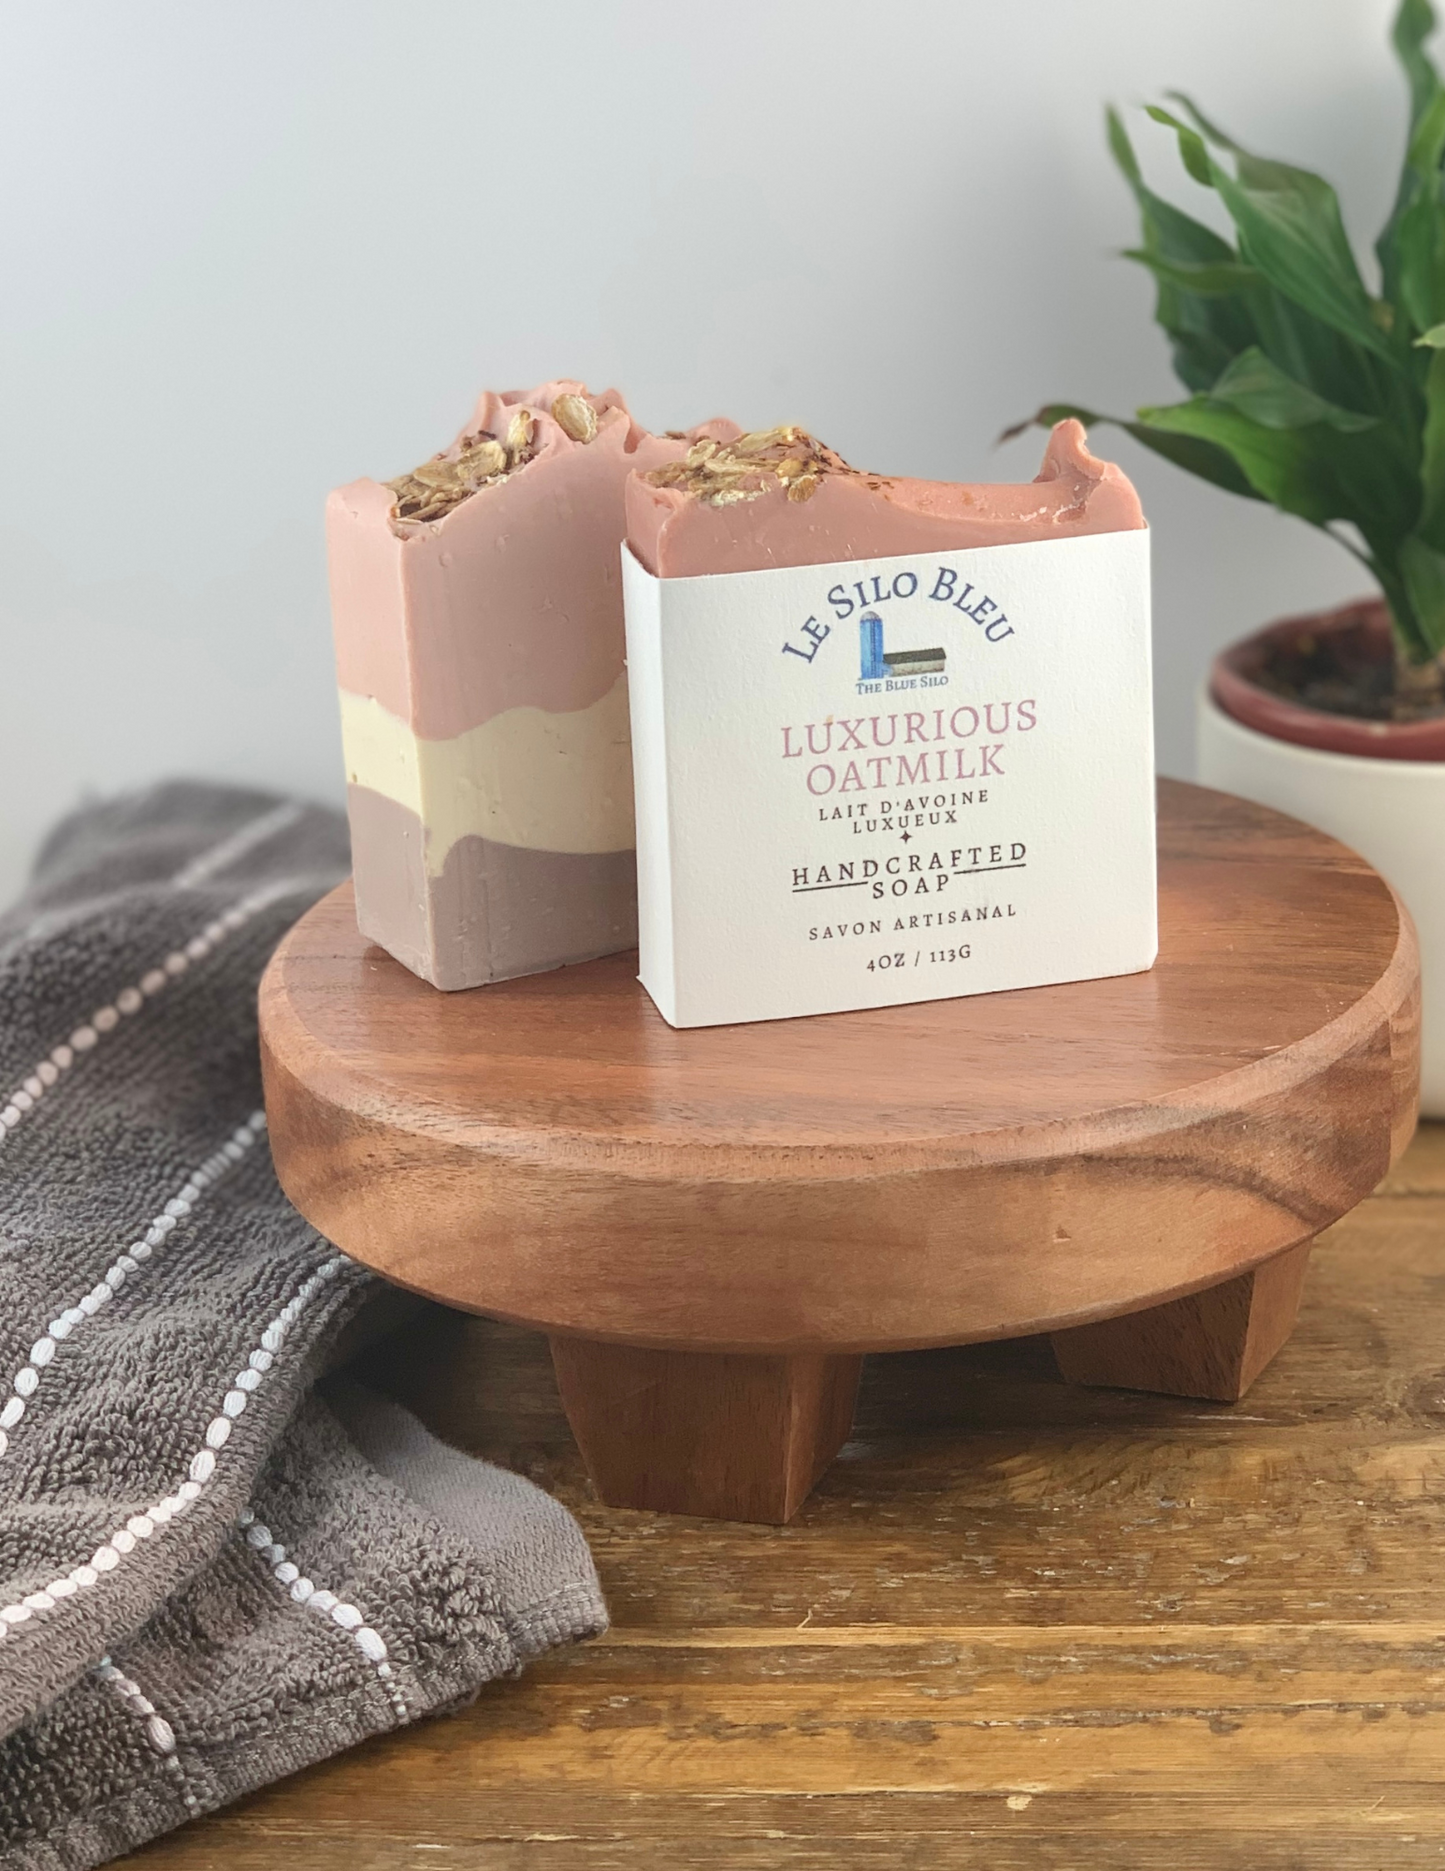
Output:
x=549 y=1151
x=1020 y=1626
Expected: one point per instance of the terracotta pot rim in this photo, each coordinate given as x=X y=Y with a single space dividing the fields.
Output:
x=1233 y=689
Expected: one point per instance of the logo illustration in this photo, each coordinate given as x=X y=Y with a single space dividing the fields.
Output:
x=876 y=663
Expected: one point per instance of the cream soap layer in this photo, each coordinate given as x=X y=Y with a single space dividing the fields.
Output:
x=529 y=777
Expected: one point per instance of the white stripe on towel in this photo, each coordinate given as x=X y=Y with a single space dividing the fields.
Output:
x=160 y=1736
x=237 y=844
x=201 y=1468
x=346 y=1617
x=218 y=1164
x=131 y=999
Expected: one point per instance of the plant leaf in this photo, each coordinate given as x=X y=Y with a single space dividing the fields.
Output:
x=1319 y=473
x=1413 y=25
x=1408 y=635
x=1427 y=138
x=1178 y=236
x=1415 y=237
x=1202 y=123
x=1192 y=153
x=1422 y=569
x=1280 y=465
x=1291 y=222
x=1211 y=279
x=1205 y=311
x=1257 y=387
x=1121 y=148
x=1205 y=329
x=1310 y=393
x=1290 y=228
x=1189 y=452
x=1431 y=523
x=1419 y=240
x=1312 y=352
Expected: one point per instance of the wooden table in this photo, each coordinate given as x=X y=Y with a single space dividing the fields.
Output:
x=713 y=1225
x=1019 y=1626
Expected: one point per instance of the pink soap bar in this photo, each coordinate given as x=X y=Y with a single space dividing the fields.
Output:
x=778 y=497
x=477 y=610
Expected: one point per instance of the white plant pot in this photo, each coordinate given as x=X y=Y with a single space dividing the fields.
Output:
x=1391 y=811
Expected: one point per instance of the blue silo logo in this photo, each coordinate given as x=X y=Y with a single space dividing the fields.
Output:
x=870 y=629
x=876 y=664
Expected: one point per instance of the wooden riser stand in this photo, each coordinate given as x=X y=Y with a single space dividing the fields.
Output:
x=710 y=1225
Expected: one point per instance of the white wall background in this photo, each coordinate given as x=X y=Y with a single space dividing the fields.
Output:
x=252 y=251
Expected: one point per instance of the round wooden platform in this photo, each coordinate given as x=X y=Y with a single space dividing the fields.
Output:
x=549 y=1151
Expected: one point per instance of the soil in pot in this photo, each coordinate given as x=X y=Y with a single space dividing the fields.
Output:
x=1328 y=680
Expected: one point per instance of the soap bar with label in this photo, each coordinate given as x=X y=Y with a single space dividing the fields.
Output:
x=920 y=767
x=477 y=609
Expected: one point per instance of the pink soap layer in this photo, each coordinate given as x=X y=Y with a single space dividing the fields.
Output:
x=676 y=533
x=513 y=597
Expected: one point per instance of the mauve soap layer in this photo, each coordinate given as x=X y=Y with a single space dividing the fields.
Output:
x=493 y=911
x=683 y=531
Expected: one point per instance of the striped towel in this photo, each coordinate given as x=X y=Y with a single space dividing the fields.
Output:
x=212 y=1572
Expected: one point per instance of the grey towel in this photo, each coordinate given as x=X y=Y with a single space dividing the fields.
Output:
x=208 y=1576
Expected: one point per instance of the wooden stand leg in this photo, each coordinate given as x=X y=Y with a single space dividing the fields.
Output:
x=1213 y=1344
x=729 y=1437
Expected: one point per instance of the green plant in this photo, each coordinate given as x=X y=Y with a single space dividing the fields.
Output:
x=1308 y=390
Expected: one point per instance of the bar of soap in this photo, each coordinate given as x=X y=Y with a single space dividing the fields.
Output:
x=477 y=611
x=893 y=738
x=777 y=497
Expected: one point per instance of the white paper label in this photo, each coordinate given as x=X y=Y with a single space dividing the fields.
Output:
x=894 y=779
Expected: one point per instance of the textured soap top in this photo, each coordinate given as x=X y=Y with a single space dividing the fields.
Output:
x=723 y=473
x=777 y=497
x=488 y=577
x=509 y=430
